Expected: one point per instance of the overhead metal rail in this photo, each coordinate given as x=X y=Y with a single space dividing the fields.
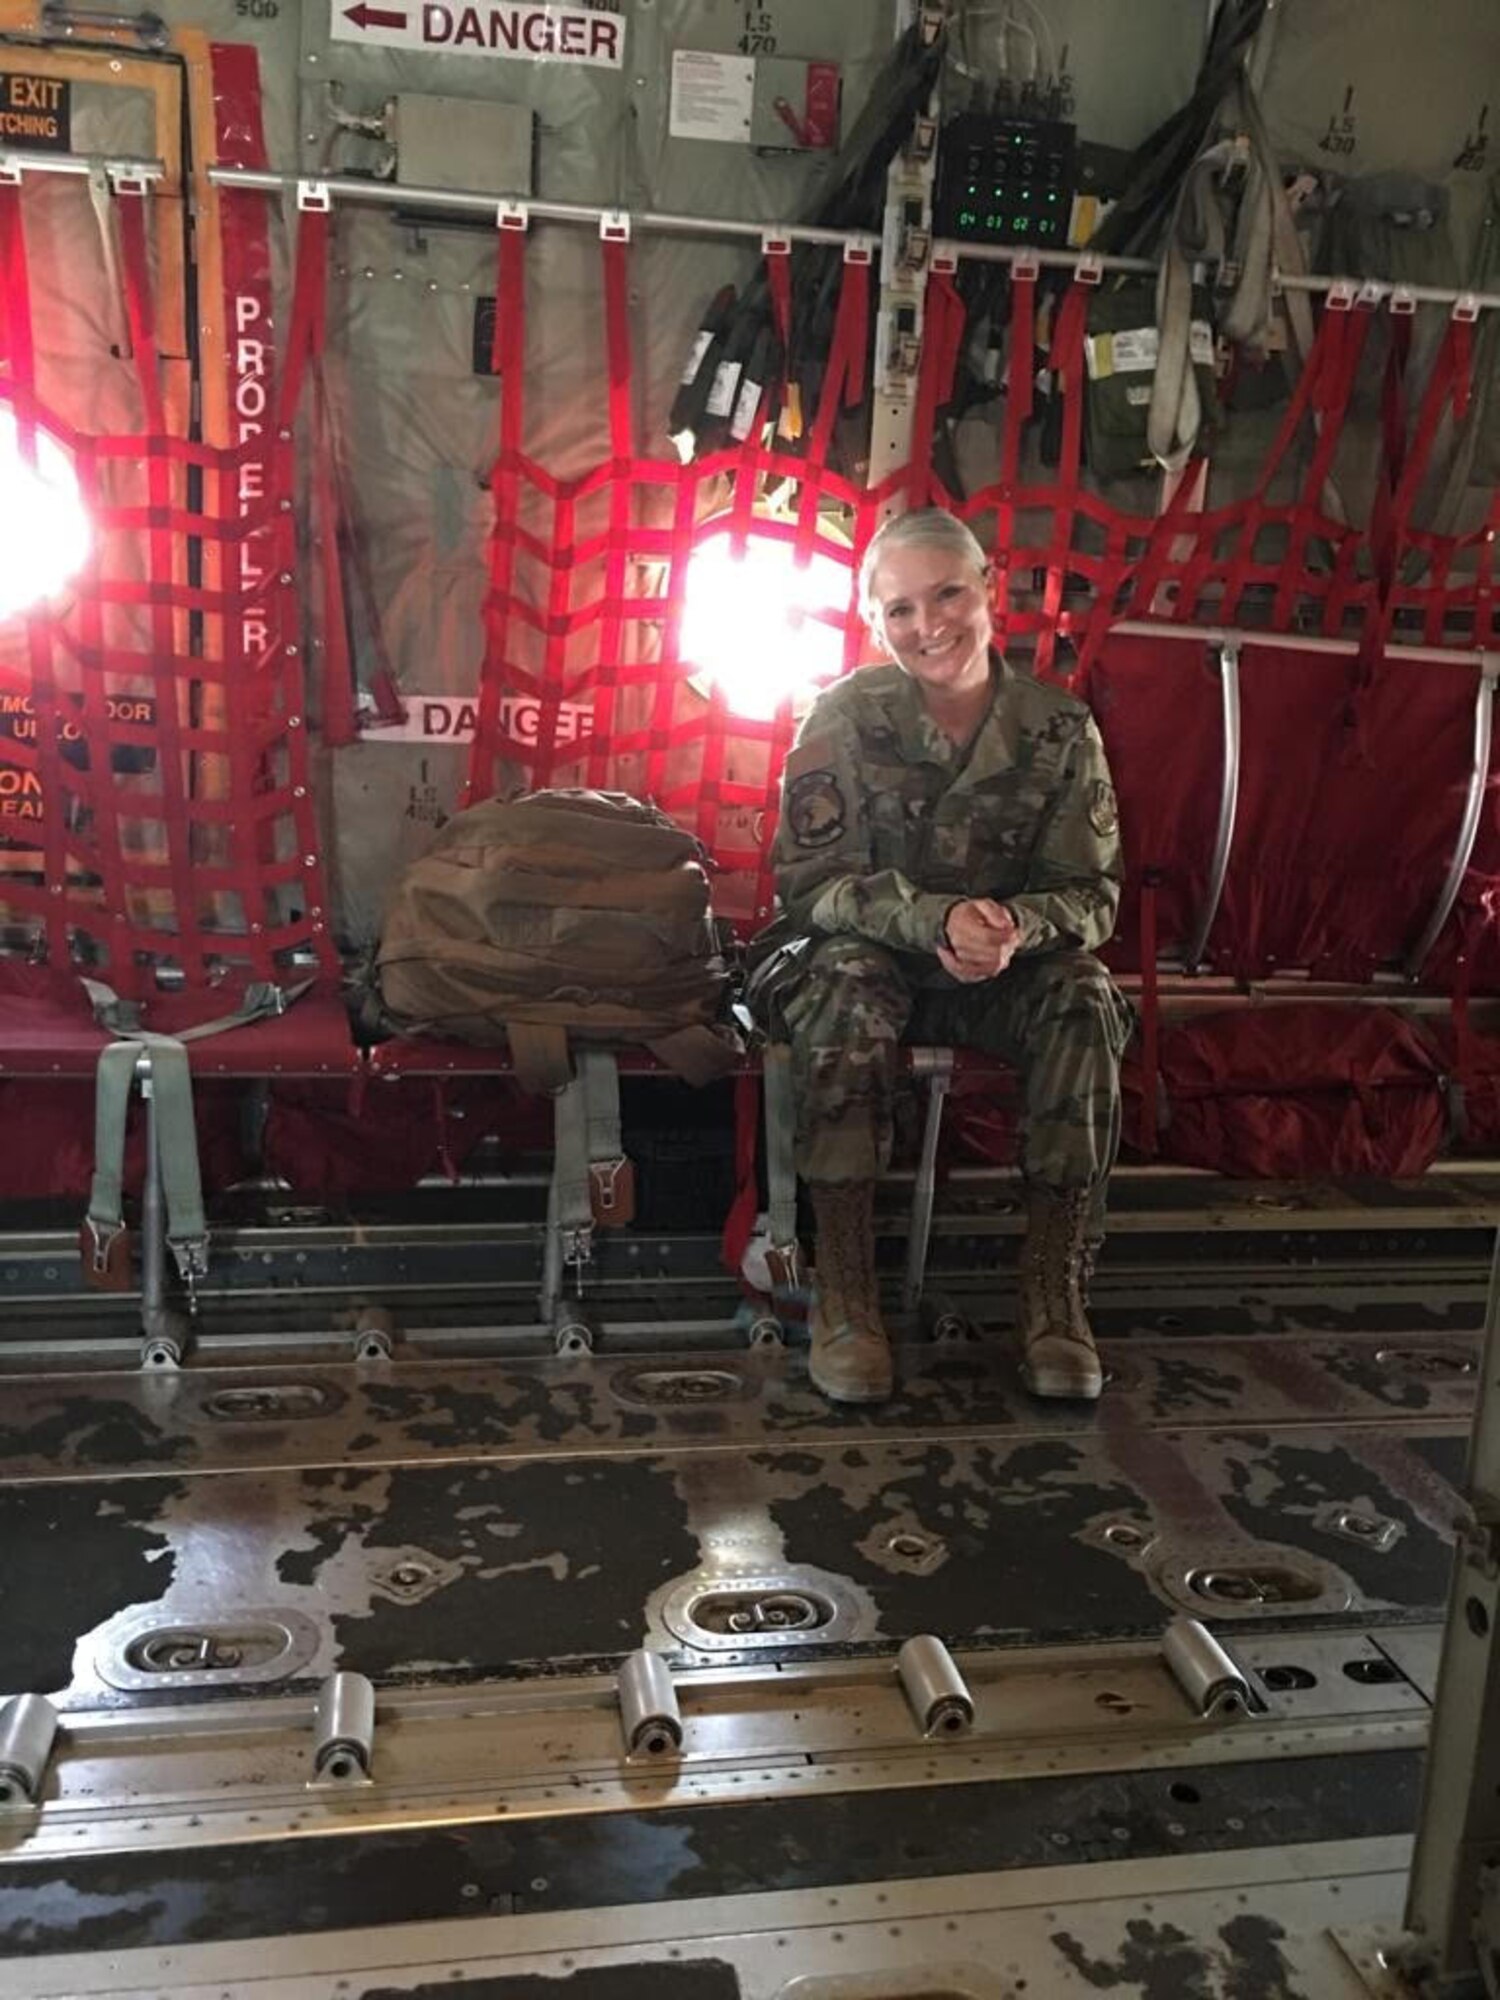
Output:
x=124 y=175
x=516 y=211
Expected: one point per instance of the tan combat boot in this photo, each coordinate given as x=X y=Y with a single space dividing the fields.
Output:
x=1058 y=1353
x=851 y=1351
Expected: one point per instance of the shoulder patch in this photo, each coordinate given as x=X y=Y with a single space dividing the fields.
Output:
x=815 y=809
x=1104 y=810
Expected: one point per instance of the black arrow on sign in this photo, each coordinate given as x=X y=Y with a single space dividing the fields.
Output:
x=373 y=17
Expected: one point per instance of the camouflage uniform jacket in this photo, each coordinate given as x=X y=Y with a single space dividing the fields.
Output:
x=886 y=823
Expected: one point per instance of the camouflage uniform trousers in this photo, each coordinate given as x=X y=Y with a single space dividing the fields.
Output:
x=1056 y=1018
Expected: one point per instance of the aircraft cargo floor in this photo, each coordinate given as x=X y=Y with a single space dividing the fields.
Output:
x=189 y=1556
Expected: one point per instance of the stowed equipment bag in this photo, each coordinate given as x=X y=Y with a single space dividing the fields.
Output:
x=555 y=913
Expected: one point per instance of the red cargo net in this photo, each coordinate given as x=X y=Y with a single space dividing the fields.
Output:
x=584 y=679
x=164 y=719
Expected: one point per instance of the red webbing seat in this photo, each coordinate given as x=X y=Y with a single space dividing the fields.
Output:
x=47 y=1028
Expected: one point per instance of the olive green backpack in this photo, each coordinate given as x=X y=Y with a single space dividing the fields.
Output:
x=555 y=914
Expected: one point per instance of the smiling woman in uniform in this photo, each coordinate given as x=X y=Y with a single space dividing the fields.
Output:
x=947 y=860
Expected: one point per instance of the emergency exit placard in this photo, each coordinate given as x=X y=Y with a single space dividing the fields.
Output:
x=35 y=113
x=505 y=28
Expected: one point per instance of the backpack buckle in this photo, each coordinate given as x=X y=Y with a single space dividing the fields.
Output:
x=612 y=1192
x=106 y=1256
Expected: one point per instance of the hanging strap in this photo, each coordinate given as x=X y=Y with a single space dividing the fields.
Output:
x=105 y=1241
x=739 y=1224
x=611 y=1176
x=783 y=1255
x=571 y=1207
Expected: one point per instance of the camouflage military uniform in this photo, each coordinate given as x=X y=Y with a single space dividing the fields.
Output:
x=885 y=824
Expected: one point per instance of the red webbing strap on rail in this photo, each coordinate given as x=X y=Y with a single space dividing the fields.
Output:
x=20 y=360
x=1322 y=389
x=610 y=660
x=304 y=361
x=135 y=274
x=942 y=341
x=507 y=360
x=1066 y=362
x=1329 y=398
x=1448 y=386
x=1019 y=391
x=739 y=1223
x=1476 y=916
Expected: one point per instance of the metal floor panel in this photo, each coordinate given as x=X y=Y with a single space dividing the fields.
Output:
x=573 y=1862
x=254 y=1415
x=1256 y=1925
x=472 y=1569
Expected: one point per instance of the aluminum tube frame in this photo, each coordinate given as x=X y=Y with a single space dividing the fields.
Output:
x=948 y=248
x=1468 y=831
x=1377 y=291
x=937 y=1064
x=154 y=1317
x=1229 y=802
x=1240 y=636
x=16 y=162
x=391 y=194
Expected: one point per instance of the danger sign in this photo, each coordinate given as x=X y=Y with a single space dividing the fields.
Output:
x=505 y=28
x=439 y=718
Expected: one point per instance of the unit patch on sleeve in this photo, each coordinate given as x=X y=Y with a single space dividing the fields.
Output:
x=815 y=809
x=1104 y=811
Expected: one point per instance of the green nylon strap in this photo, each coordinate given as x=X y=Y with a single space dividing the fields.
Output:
x=781 y=1128
x=176 y=1131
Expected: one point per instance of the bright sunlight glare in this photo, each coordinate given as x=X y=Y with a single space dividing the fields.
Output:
x=748 y=623
x=44 y=528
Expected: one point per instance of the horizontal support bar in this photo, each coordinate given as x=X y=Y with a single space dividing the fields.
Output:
x=473 y=201
x=1381 y=291
x=80 y=165
x=946 y=248
x=1300 y=642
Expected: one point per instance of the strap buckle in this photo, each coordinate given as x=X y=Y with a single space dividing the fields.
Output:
x=513 y=215
x=612 y=1192
x=190 y=1253
x=105 y=1251
x=313 y=196
x=861 y=251
x=578 y=1246
x=614 y=225
x=784 y=1262
x=265 y=997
